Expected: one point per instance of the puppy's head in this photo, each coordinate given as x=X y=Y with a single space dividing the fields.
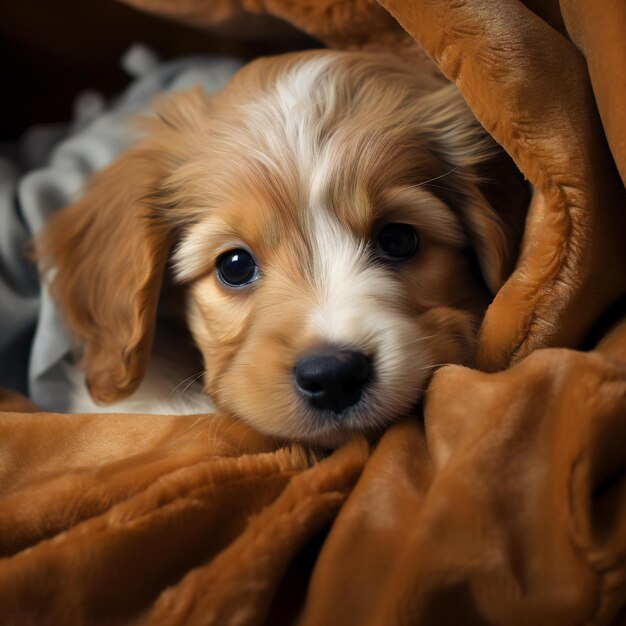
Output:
x=325 y=212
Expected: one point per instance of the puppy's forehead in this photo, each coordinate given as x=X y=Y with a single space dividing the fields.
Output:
x=305 y=151
x=305 y=145
x=316 y=139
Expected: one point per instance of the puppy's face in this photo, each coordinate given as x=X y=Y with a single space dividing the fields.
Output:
x=325 y=214
x=327 y=265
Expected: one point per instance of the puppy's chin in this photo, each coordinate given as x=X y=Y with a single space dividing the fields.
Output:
x=326 y=429
x=330 y=430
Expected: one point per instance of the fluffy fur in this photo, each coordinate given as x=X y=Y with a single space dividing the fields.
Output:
x=300 y=160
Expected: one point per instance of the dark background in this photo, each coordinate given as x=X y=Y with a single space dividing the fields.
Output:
x=50 y=51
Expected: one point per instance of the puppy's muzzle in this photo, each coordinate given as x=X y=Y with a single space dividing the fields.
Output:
x=332 y=378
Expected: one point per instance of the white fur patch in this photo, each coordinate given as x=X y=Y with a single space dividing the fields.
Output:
x=356 y=308
x=296 y=86
x=163 y=391
x=343 y=281
x=288 y=118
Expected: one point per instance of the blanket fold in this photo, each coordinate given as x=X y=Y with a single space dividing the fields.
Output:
x=547 y=121
x=505 y=505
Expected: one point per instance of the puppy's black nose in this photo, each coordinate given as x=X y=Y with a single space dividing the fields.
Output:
x=332 y=379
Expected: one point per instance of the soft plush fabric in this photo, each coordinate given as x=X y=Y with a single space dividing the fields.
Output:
x=505 y=505
x=601 y=37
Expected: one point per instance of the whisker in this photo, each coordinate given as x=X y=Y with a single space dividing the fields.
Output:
x=444 y=335
x=430 y=180
x=429 y=367
x=192 y=382
x=198 y=420
x=182 y=382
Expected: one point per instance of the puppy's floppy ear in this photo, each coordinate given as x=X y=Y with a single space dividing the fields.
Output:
x=107 y=254
x=108 y=258
x=484 y=186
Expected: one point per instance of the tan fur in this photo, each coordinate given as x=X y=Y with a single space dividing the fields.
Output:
x=296 y=148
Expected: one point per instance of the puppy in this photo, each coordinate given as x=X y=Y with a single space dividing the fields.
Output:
x=326 y=215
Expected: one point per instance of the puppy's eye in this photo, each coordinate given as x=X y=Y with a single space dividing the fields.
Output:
x=397 y=242
x=236 y=268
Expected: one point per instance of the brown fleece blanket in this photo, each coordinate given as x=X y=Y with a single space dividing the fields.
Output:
x=506 y=506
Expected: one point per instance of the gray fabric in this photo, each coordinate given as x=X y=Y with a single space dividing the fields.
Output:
x=19 y=288
x=32 y=335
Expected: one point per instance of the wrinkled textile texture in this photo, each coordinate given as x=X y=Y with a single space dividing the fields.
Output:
x=508 y=507
x=505 y=505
